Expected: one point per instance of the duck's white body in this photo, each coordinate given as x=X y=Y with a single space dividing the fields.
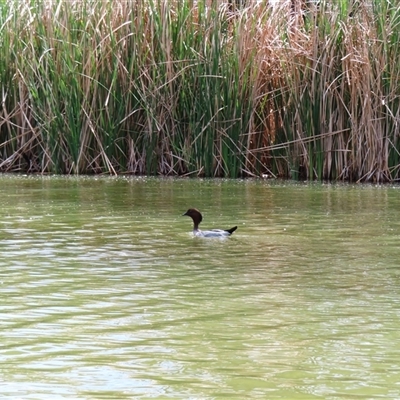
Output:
x=214 y=233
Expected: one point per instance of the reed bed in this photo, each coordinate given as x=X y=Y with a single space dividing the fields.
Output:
x=302 y=90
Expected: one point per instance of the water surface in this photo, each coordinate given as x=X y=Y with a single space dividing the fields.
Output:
x=105 y=294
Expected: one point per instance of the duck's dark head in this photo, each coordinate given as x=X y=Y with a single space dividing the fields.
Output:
x=195 y=215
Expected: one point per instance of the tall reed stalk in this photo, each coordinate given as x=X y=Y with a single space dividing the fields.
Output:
x=205 y=88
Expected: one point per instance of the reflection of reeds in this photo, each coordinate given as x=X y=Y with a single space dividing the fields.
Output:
x=201 y=88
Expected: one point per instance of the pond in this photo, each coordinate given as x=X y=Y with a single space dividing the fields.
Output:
x=106 y=294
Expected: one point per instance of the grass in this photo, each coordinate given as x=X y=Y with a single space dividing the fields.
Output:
x=206 y=88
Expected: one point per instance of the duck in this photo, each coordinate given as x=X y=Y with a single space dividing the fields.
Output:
x=196 y=216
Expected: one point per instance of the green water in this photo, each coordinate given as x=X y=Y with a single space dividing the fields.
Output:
x=105 y=294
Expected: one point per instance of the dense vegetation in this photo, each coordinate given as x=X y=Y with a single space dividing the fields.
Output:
x=209 y=88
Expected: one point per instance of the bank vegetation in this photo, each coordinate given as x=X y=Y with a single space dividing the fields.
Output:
x=295 y=89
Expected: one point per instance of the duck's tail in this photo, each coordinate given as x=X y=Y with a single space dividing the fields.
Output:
x=230 y=231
